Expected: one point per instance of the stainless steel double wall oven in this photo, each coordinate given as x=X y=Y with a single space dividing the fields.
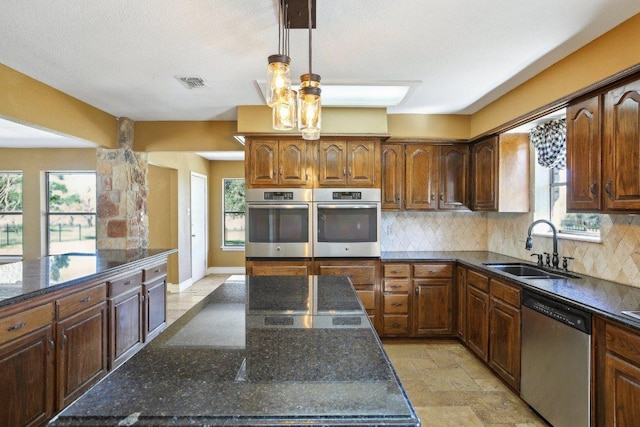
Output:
x=306 y=223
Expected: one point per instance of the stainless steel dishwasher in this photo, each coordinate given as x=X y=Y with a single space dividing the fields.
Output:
x=556 y=360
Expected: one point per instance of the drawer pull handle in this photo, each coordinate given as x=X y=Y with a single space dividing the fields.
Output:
x=157 y=270
x=128 y=282
x=396 y=325
x=16 y=327
x=395 y=286
x=85 y=300
x=396 y=304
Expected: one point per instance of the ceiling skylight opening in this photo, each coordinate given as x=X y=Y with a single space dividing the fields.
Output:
x=364 y=94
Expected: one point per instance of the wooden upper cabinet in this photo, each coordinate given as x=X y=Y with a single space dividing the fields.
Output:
x=351 y=163
x=484 y=176
x=277 y=163
x=584 y=156
x=392 y=176
x=454 y=166
x=421 y=177
x=621 y=138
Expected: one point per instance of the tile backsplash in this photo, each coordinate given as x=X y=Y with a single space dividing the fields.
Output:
x=616 y=258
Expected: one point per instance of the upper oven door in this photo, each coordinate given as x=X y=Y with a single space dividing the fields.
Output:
x=347 y=229
x=278 y=230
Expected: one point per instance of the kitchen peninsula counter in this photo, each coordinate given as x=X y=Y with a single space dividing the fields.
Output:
x=23 y=280
x=598 y=296
x=259 y=350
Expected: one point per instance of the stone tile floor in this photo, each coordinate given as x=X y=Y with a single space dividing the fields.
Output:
x=447 y=384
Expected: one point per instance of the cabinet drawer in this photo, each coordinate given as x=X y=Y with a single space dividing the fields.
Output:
x=396 y=286
x=396 y=325
x=395 y=270
x=426 y=271
x=23 y=323
x=79 y=301
x=478 y=280
x=505 y=292
x=623 y=342
x=396 y=304
x=124 y=284
x=154 y=272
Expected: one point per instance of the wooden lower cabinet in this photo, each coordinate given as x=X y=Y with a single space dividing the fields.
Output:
x=461 y=300
x=364 y=275
x=279 y=267
x=477 y=333
x=504 y=331
x=617 y=374
x=81 y=331
x=154 y=289
x=27 y=367
x=125 y=318
x=417 y=299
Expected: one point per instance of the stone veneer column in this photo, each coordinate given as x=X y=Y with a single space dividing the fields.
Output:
x=122 y=194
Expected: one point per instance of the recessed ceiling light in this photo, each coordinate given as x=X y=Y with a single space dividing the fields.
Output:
x=360 y=94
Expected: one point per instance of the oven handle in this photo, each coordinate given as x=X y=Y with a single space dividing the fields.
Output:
x=351 y=206
x=277 y=206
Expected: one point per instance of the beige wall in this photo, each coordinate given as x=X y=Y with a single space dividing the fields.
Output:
x=25 y=100
x=162 y=213
x=183 y=164
x=33 y=163
x=186 y=136
x=217 y=257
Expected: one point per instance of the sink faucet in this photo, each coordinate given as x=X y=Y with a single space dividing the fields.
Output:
x=529 y=244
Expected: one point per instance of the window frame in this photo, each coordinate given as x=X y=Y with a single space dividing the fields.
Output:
x=224 y=246
x=49 y=214
x=20 y=213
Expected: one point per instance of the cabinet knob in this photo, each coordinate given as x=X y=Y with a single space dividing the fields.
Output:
x=594 y=188
x=607 y=189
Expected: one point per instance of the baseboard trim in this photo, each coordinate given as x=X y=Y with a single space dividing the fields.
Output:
x=226 y=270
x=176 y=288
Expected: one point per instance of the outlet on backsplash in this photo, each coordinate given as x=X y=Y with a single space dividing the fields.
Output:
x=389 y=230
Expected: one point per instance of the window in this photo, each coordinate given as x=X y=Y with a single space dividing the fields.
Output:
x=551 y=204
x=71 y=212
x=233 y=213
x=10 y=213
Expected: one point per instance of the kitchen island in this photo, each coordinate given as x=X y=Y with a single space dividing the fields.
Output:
x=269 y=350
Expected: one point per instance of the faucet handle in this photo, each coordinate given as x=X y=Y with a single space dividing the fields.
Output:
x=540 y=263
x=565 y=262
x=547 y=259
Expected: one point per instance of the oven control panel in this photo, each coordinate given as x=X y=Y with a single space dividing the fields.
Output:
x=278 y=195
x=347 y=195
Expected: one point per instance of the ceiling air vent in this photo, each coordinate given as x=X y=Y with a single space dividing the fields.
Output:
x=192 y=82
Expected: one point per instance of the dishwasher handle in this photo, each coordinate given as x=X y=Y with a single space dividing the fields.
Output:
x=563 y=313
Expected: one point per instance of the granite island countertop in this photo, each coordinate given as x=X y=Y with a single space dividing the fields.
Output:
x=27 y=279
x=601 y=297
x=279 y=350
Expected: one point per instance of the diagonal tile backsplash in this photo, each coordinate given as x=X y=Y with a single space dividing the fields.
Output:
x=616 y=258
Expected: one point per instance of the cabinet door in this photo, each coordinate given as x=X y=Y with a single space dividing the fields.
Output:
x=478 y=321
x=155 y=304
x=292 y=159
x=461 y=287
x=433 y=308
x=484 y=177
x=392 y=176
x=361 y=163
x=622 y=148
x=454 y=164
x=82 y=352
x=263 y=162
x=421 y=177
x=504 y=355
x=583 y=156
x=125 y=331
x=27 y=379
x=332 y=163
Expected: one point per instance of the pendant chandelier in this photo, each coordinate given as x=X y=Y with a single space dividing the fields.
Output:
x=291 y=108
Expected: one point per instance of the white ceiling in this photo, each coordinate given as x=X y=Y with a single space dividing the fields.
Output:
x=122 y=56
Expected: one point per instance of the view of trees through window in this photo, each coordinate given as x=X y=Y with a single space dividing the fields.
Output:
x=71 y=212
x=234 y=202
x=10 y=213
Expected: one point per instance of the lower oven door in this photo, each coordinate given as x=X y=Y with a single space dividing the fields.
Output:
x=347 y=230
x=278 y=230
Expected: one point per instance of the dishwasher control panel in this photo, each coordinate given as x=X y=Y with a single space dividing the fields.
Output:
x=558 y=311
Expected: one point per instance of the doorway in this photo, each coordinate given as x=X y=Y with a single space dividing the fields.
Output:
x=199 y=203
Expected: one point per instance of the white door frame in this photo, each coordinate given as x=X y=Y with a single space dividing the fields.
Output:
x=198 y=271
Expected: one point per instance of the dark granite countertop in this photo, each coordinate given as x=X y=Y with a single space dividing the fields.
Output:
x=258 y=351
x=602 y=297
x=26 y=279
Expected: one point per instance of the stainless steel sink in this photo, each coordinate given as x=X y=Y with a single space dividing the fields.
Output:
x=528 y=271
